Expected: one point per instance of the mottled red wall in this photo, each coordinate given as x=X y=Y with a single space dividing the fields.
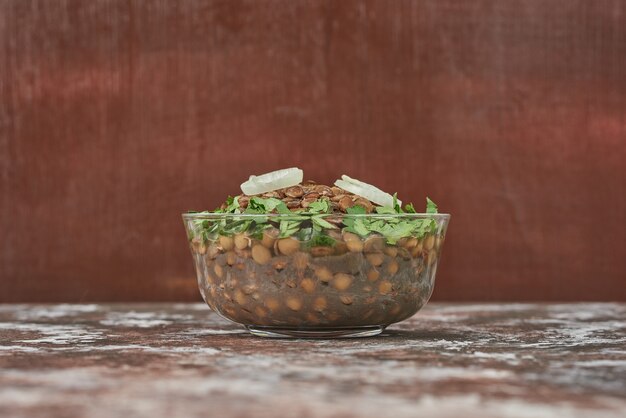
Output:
x=116 y=116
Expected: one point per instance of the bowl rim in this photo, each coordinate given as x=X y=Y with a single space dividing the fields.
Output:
x=205 y=215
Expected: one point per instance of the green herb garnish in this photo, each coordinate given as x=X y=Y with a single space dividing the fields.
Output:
x=321 y=240
x=431 y=207
x=309 y=224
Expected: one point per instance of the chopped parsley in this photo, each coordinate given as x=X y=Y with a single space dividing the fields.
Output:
x=310 y=224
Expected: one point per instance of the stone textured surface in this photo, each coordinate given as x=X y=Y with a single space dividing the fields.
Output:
x=164 y=360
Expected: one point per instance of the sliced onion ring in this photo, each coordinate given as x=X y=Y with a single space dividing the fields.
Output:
x=274 y=180
x=371 y=193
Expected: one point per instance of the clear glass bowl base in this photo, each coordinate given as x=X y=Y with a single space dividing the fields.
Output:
x=274 y=332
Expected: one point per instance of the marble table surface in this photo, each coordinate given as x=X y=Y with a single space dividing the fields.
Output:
x=182 y=360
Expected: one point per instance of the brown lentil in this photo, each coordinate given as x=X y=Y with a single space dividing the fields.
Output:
x=306 y=202
x=432 y=257
x=323 y=190
x=353 y=242
x=212 y=252
x=261 y=254
x=276 y=194
x=342 y=281
x=293 y=203
x=392 y=267
x=240 y=297
x=307 y=284
x=198 y=246
x=226 y=243
x=374 y=244
x=241 y=241
x=410 y=243
x=340 y=248
x=243 y=201
x=293 y=303
x=279 y=263
x=404 y=253
x=364 y=203
x=391 y=251
x=319 y=304
x=269 y=236
x=294 y=191
x=355 y=246
x=373 y=275
x=324 y=274
x=346 y=300
x=429 y=243
x=219 y=271
x=260 y=312
x=272 y=304
x=288 y=246
x=345 y=203
x=375 y=259
x=384 y=287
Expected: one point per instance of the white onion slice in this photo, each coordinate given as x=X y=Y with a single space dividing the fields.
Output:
x=275 y=180
x=371 y=193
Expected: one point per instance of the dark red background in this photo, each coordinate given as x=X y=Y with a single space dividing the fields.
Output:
x=116 y=116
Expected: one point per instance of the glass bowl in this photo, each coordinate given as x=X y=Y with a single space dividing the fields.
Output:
x=318 y=282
